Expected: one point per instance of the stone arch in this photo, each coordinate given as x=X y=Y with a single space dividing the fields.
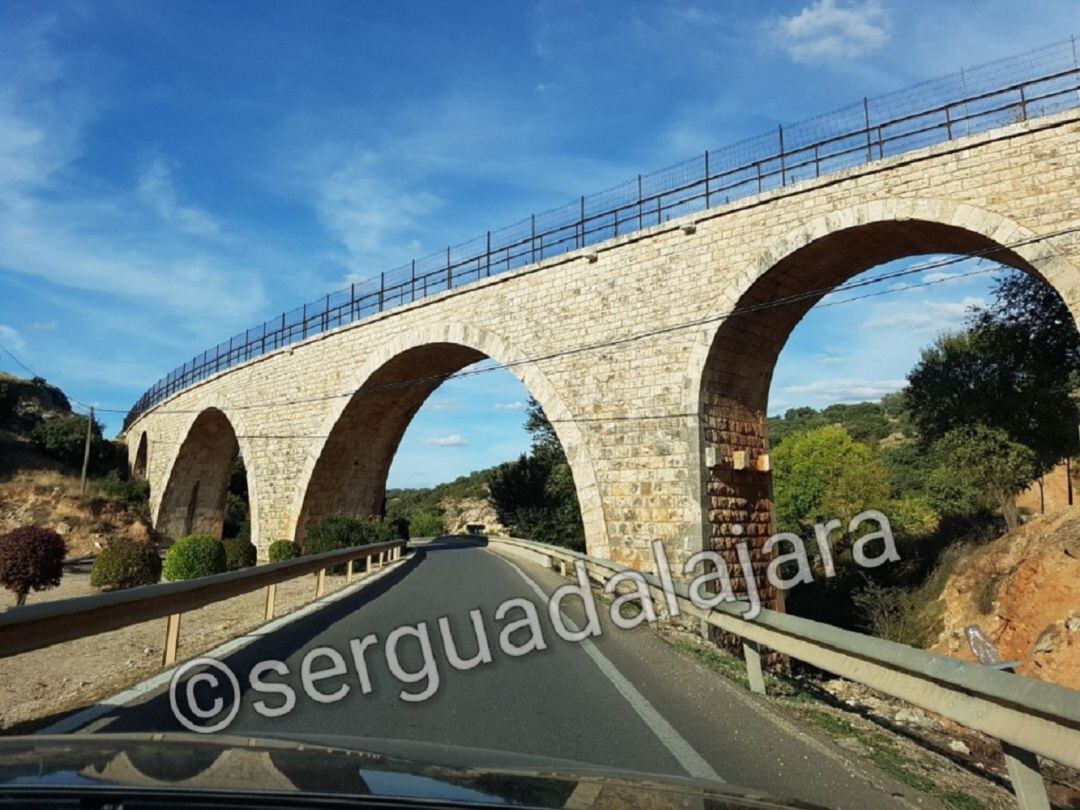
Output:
x=732 y=363
x=338 y=475
x=141 y=465
x=195 y=485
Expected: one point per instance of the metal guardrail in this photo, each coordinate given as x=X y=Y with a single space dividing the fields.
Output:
x=1029 y=716
x=1029 y=85
x=33 y=627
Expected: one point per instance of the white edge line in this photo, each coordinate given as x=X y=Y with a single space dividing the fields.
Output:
x=679 y=747
x=79 y=719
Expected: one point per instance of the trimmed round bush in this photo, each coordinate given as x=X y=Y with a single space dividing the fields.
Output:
x=125 y=563
x=31 y=559
x=197 y=555
x=281 y=550
x=239 y=553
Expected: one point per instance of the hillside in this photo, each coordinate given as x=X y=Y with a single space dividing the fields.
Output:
x=39 y=472
x=1023 y=591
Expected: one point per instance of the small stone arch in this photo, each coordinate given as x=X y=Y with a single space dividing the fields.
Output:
x=141 y=465
x=732 y=362
x=193 y=495
x=428 y=353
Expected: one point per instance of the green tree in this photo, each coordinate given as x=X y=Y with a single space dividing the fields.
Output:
x=825 y=474
x=535 y=496
x=1014 y=369
x=979 y=466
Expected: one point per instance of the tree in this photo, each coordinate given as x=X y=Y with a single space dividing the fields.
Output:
x=31 y=559
x=825 y=474
x=978 y=466
x=1013 y=369
x=535 y=495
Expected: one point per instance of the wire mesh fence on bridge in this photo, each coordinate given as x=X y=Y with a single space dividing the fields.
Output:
x=1029 y=85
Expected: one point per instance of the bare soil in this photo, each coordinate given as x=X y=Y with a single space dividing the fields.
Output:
x=37 y=686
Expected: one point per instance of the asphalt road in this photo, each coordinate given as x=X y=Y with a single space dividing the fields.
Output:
x=624 y=700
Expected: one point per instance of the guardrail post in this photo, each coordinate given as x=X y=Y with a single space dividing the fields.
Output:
x=348 y=572
x=172 y=640
x=271 y=595
x=380 y=560
x=367 y=567
x=1026 y=778
x=320 y=583
x=752 y=654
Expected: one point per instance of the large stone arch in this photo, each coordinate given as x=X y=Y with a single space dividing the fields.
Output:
x=384 y=405
x=192 y=498
x=732 y=362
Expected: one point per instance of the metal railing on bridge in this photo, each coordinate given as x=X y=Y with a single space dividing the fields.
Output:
x=1033 y=84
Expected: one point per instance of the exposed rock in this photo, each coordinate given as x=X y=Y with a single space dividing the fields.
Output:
x=460 y=513
x=1045 y=642
x=958 y=747
x=914 y=717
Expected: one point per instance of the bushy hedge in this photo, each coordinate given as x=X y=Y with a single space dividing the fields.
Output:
x=281 y=550
x=399 y=528
x=426 y=525
x=31 y=559
x=239 y=553
x=341 y=531
x=125 y=563
x=197 y=555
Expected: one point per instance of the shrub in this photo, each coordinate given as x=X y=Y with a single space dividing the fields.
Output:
x=399 y=528
x=239 y=553
x=64 y=438
x=341 y=531
x=125 y=563
x=426 y=525
x=31 y=559
x=118 y=487
x=281 y=550
x=197 y=555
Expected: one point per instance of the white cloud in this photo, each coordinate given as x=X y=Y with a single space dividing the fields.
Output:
x=928 y=319
x=157 y=188
x=73 y=231
x=452 y=440
x=847 y=390
x=444 y=404
x=829 y=29
x=510 y=406
x=11 y=338
x=42 y=326
x=830 y=359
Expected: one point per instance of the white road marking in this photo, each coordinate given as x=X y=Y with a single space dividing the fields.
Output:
x=689 y=758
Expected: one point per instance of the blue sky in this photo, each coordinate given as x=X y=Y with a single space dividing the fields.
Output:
x=171 y=173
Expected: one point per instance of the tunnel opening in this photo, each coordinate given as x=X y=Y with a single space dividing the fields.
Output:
x=766 y=474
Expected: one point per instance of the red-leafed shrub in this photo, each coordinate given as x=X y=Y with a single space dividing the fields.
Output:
x=31 y=559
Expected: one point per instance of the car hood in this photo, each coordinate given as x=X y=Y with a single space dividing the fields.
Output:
x=138 y=764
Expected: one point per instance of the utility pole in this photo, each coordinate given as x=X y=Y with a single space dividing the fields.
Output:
x=86 y=451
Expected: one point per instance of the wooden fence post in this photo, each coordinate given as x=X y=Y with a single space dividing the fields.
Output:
x=172 y=640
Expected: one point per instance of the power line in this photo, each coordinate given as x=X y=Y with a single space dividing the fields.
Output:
x=811 y=294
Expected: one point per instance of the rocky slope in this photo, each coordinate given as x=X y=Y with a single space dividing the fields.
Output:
x=1023 y=591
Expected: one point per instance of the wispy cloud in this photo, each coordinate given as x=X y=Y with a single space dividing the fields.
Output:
x=11 y=338
x=452 y=440
x=928 y=319
x=831 y=30
x=443 y=404
x=510 y=406
x=846 y=390
x=157 y=188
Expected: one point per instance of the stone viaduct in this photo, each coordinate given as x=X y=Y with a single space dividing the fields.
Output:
x=622 y=345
